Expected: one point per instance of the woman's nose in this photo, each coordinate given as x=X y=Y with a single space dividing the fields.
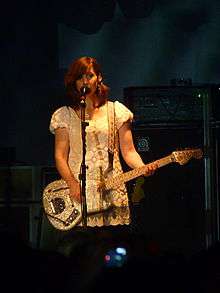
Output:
x=85 y=80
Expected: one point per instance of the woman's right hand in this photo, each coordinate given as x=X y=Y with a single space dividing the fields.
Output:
x=75 y=191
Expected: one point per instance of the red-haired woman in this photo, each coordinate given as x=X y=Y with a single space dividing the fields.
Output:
x=66 y=124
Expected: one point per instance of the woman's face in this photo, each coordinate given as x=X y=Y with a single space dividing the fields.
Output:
x=89 y=79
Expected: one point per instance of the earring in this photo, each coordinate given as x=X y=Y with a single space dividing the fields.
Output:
x=99 y=89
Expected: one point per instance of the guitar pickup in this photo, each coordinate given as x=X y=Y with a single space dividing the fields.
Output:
x=57 y=205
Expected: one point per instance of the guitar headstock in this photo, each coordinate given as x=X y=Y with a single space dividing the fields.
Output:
x=182 y=157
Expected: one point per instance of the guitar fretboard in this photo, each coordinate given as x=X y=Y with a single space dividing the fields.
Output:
x=125 y=177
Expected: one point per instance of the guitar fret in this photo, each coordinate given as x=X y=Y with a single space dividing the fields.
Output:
x=164 y=161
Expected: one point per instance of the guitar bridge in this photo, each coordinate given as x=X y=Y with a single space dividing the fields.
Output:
x=73 y=216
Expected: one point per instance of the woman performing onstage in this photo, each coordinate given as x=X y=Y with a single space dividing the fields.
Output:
x=107 y=135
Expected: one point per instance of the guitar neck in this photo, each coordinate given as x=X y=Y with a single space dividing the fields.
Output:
x=125 y=177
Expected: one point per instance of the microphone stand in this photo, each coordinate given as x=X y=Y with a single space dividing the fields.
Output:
x=82 y=175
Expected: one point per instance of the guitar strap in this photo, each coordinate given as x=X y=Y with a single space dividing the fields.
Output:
x=112 y=134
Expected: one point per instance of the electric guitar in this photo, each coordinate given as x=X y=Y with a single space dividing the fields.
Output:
x=64 y=213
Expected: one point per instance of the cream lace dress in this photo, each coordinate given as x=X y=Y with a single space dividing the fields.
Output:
x=97 y=161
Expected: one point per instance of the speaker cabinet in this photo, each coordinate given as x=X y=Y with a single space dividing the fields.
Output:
x=16 y=219
x=170 y=209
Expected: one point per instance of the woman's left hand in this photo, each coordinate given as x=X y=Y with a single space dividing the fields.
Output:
x=150 y=169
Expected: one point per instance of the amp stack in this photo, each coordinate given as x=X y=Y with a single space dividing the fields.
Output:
x=178 y=206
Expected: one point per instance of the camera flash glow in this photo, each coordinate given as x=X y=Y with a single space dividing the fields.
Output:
x=121 y=250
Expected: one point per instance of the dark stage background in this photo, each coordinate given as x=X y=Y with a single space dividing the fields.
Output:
x=139 y=44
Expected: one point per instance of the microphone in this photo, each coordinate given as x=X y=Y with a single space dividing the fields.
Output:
x=85 y=89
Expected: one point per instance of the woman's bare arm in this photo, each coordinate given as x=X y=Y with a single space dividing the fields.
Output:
x=128 y=151
x=61 y=159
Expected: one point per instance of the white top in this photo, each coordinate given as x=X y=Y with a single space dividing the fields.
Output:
x=97 y=161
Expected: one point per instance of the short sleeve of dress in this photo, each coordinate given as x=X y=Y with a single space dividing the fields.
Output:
x=60 y=118
x=122 y=114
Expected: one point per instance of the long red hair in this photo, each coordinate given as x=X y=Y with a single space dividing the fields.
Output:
x=76 y=69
